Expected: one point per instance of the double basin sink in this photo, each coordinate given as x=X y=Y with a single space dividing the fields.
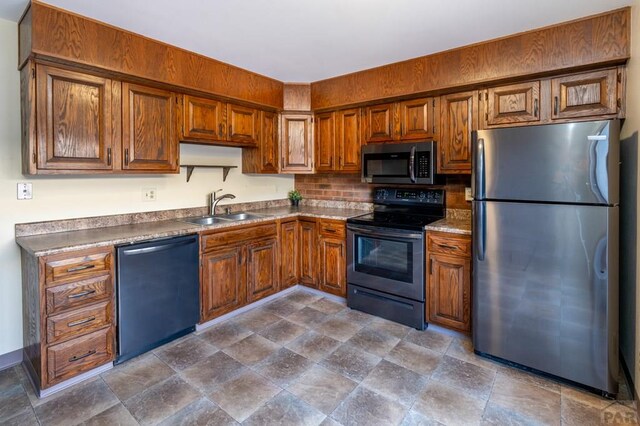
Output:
x=225 y=218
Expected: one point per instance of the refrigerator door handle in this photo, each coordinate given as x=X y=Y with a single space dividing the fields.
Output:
x=481 y=234
x=479 y=173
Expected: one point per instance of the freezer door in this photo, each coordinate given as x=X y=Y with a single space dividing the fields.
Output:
x=545 y=288
x=565 y=163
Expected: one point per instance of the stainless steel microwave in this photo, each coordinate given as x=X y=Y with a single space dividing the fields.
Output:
x=408 y=163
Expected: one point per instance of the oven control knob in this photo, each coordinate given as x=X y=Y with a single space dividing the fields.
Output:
x=421 y=195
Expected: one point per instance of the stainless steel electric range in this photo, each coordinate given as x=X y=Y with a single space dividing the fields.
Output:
x=385 y=254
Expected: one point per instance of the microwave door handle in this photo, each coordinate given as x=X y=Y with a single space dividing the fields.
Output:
x=412 y=162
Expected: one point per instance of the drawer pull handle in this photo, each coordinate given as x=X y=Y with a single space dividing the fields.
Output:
x=444 y=246
x=82 y=294
x=330 y=230
x=81 y=268
x=80 y=322
x=78 y=358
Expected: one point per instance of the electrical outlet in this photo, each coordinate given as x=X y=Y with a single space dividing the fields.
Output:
x=467 y=194
x=25 y=191
x=149 y=194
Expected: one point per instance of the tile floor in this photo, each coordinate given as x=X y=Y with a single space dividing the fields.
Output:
x=307 y=360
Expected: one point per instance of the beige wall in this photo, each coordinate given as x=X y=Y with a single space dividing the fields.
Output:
x=64 y=197
x=630 y=247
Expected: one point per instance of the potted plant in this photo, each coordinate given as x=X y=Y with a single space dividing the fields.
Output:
x=295 y=197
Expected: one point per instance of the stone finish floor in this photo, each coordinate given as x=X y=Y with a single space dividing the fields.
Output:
x=308 y=360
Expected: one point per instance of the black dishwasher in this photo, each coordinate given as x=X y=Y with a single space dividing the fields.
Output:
x=158 y=293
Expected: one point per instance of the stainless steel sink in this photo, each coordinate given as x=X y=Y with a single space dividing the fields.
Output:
x=205 y=220
x=242 y=216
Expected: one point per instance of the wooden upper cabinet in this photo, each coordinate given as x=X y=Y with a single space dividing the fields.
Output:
x=325 y=141
x=74 y=120
x=348 y=139
x=149 y=142
x=296 y=143
x=459 y=117
x=202 y=119
x=513 y=104
x=418 y=119
x=265 y=157
x=584 y=95
x=242 y=124
x=381 y=123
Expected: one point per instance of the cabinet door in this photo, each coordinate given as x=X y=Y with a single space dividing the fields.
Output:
x=449 y=291
x=263 y=158
x=242 y=124
x=348 y=140
x=296 y=143
x=418 y=119
x=513 y=104
x=325 y=142
x=202 y=119
x=222 y=283
x=262 y=269
x=458 y=113
x=382 y=123
x=332 y=269
x=585 y=95
x=149 y=141
x=307 y=249
x=289 y=253
x=74 y=126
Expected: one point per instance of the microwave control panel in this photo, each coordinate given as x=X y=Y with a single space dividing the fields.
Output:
x=423 y=166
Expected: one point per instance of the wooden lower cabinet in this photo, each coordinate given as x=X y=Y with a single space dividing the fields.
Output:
x=262 y=269
x=289 y=248
x=449 y=280
x=308 y=252
x=239 y=266
x=69 y=316
x=222 y=283
x=332 y=254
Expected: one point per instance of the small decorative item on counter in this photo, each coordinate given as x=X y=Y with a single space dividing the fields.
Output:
x=295 y=197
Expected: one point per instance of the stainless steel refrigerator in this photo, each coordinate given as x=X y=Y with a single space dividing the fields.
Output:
x=545 y=262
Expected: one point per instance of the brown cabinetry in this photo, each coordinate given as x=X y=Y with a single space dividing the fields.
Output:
x=332 y=255
x=148 y=130
x=90 y=124
x=338 y=137
x=69 y=324
x=515 y=103
x=449 y=280
x=308 y=252
x=459 y=117
x=296 y=143
x=265 y=157
x=239 y=266
x=415 y=119
x=585 y=95
x=289 y=253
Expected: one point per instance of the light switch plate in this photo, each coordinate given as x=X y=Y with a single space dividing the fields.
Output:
x=25 y=191
x=467 y=194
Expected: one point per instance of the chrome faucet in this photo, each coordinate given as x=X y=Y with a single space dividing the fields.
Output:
x=214 y=201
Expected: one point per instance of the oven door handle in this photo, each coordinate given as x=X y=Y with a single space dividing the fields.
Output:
x=379 y=232
x=412 y=162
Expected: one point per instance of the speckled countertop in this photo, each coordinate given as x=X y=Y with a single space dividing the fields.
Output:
x=57 y=242
x=454 y=226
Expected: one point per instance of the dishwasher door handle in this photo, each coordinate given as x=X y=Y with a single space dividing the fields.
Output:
x=158 y=247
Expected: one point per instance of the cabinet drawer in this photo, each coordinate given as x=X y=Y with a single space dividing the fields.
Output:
x=221 y=238
x=449 y=244
x=332 y=228
x=72 y=267
x=78 y=322
x=76 y=294
x=76 y=356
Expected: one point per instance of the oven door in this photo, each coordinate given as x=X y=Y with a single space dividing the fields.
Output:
x=386 y=259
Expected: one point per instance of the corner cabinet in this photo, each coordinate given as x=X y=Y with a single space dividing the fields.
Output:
x=69 y=314
x=449 y=280
x=79 y=123
x=459 y=117
x=296 y=143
